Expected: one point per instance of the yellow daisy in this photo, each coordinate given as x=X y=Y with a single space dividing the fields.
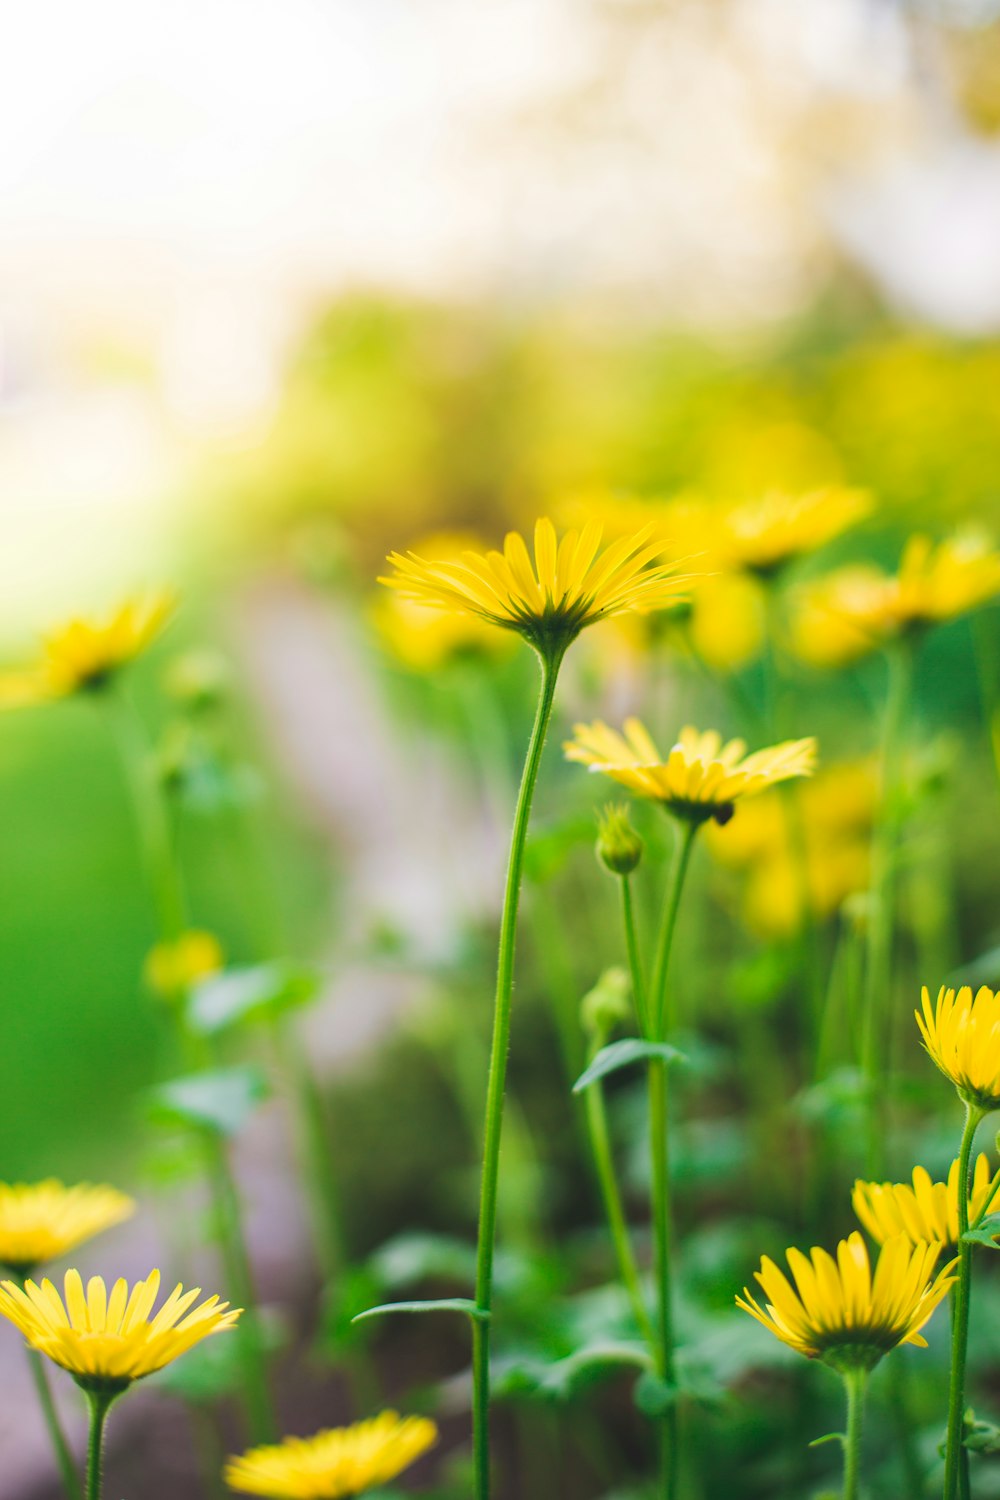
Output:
x=765 y=534
x=701 y=777
x=839 y=1312
x=424 y=639
x=962 y=1034
x=336 y=1463
x=927 y=1210
x=570 y=584
x=172 y=968
x=86 y=653
x=43 y=1220
x=105 y=1342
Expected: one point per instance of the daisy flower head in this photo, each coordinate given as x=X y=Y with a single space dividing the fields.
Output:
x=86 y=653
x=336 y=1463
x=41 y=1221
x=925 y=1211
x=961 y=1031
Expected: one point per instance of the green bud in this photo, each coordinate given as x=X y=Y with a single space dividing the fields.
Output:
x=619 y=847
x=198 y=679
x=606 y=1005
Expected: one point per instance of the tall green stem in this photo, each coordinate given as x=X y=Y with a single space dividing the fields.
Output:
x=855 y=1383
x=60 y=1447
x=100 y=1404
x=497 y=1080
x=882 y=907
x=632 y=950
x=253 y=1361
x=659 y=1150
x=960 y=1318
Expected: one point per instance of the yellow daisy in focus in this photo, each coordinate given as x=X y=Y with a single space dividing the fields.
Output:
x=840 y=1313
x=764 y=535
x=172 y=968
x=107 y=1341
x=926 y=1211
x=701 y=777
x=85 y=653
x=548 y=600
x=854 y=610
x=962 y=1034
x=43 y=1220
x=340 y=1462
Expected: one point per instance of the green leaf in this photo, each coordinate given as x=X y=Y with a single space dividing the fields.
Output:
x=440 y=1304
x=984 y=1233
x=548 y=848
x=218 y=1101
x=409 y=1258
x=249 y=994
x=829 y=1437
x=567 y=1377
x=980 y=1437
x=623 y=1054
x=654 y=1396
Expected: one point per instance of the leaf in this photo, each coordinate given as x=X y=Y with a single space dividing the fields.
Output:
x=409 y=1258
x=440 y=1304
x=215 y=1367
x=654 y=1396
x=623 y=1054
x=829 y=1437
x=248 y=994
x=980 y=1437
x=984 y=1233
x=598 y=1361
x=218 y=1101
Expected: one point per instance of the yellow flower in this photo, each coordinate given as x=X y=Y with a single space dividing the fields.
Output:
x=424 y=639
x=962 y=1034
x=764 y=535
x=700 y=779
x=336 y=1463
x=41 y=1221
x=570 y=585
x=106 y=1342
x=85 y=653
x=172 y=968
x=927 y=1210
x=838 y=1312
x=841 y=617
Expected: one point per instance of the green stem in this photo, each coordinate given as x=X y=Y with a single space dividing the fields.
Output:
x=60 y=1447
x=634 y=958
x=497 y=1079
x=659 y=1144
x=960 y=1319
x=256 y=1391
x=600 y=1145
x=855 y=1383
x=100 y=1404
x=882 y=909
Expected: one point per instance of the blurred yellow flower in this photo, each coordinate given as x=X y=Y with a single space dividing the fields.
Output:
x=570 y=584
x=838 y=1312
x=726 y=626
x=831 y=829
x=41 y=1221
x=425 y=639
x=336 y=1463
x=172 y=968
x=108 y=1341
x=841 y=617
x=85 y=653
x=927 y=1210
x=765 y=534
x=700 y=779
x=962 y=1034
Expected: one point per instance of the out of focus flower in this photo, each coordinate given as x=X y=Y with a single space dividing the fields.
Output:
x=838 y=1312
x=425 y=639
x=336 y=1463
x=173 y=967
x=727 y=624
x=807 y=860
x=927 y=1210
x=85 y=653
x=962 y=1034
x=701 y=777
x=852 y=611
x=107 y=1341
x=41 y=1221
x=570 y=584
x=764 y=535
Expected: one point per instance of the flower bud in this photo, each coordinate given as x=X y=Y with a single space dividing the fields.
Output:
x=619 y=847
x=198 y=679
x=606 y=1005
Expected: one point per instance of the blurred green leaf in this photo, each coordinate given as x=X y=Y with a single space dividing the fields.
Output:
x=408 y=1258
x=214 y=1368
x=219 y=1101
x=829 y=1101
x=980 y=1436
x=548 y=848
x=250 y=993
x=438 y=1304
x=623 y=1054
x=653 y=1395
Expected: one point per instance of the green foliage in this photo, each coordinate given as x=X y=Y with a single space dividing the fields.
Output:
x=252 y=993
x=218 y=1102
x=625 y=1054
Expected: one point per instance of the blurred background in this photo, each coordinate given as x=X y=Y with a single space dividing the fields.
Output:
x=286 y=285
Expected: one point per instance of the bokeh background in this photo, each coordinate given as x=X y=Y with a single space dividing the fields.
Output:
x=283 y=286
